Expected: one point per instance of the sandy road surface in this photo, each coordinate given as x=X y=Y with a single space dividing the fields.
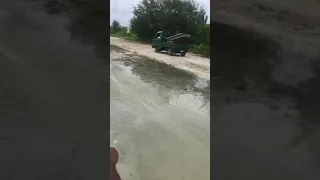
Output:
x=191 y=62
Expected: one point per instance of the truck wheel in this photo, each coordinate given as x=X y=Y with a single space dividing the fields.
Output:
x=183 y=53
x=170 y=52
x=156 y=49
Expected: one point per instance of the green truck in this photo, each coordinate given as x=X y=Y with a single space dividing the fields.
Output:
x=178 y=43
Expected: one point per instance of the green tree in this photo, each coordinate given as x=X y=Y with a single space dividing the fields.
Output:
x=203 y=34
x=151 y=16
x=115 y=26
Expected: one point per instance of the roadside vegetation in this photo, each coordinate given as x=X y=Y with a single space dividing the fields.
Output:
x=121 y=31
x=151 y=16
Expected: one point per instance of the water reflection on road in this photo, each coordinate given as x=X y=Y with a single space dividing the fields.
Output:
x=158 y=122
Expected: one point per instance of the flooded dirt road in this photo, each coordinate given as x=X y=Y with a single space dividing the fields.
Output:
x=159 y=119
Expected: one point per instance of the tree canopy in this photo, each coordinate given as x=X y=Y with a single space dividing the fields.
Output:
x=151 y=16
x=115 y=26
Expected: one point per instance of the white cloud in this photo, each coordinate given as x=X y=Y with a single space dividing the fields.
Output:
x=121 y=10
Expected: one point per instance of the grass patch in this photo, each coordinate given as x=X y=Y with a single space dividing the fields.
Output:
x=203 y=50
x=125 y=35
x=129 y=36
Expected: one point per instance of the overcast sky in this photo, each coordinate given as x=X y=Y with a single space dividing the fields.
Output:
x=121 y=10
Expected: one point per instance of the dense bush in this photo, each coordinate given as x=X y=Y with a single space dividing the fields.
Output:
x=125 y=35
x=202 y=49
x=202 y=41
x=202 y=35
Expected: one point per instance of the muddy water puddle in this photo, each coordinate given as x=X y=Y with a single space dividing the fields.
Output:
x=159 y=120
